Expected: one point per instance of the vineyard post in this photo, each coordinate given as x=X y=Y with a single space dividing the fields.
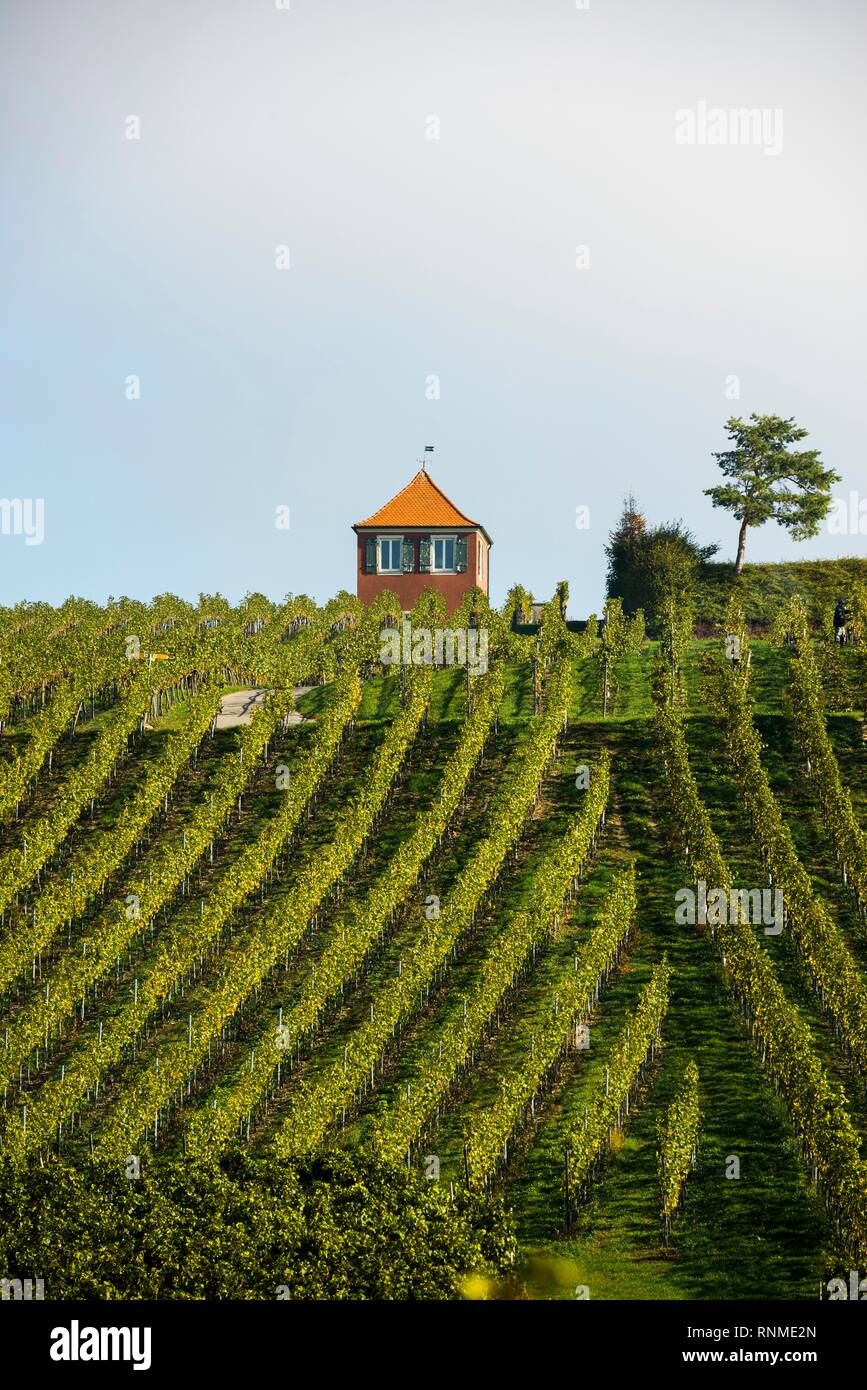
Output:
x=568 y=1201
x=671 y=656
x=536 y=679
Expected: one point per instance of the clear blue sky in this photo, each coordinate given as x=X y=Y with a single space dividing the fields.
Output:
x=413 y=257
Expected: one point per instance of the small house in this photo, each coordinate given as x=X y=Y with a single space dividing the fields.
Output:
x=419 y=540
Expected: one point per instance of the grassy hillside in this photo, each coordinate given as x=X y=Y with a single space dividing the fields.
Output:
x=763 y=588
x=307 y=914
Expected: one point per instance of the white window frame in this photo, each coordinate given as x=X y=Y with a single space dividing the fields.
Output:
x=479 y=557
x=379 y=540
x=446 y=569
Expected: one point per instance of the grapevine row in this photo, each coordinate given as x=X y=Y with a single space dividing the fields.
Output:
x=487 y=1136
x=547 y=888
x=179 y=954
x=211 y=1128
x=816 y=1108
x=587 y=1142
x=18 y=867
x=60 y=903
x=48 y=727
x=850 y=842
x=151 y=885
x=678 y=1141
x=315 y=1106
x=820 y=943
x=273 y=933
x=183 y=949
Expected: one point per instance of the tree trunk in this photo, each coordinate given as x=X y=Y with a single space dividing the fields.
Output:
x=742 y=545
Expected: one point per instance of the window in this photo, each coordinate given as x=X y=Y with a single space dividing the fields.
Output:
x=479 y=557
x=443 y=553
x=390 y=554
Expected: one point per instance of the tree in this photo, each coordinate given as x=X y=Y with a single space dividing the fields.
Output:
x=770 y=481
x=668 y=567
x=622 y=550
x=642 y=561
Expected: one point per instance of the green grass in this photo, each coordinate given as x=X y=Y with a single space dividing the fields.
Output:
x=764 y=588
x=380 y=699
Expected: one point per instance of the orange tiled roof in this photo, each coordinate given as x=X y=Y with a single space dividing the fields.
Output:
x=420 y=503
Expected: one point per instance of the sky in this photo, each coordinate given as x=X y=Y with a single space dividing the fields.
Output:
x=257 y=255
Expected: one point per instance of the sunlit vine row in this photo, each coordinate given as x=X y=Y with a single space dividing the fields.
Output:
x=315 y=1105
x=572 y=997
x=272 y=933
x=549 y=882
x=678 y=1143
x=816 y=1107
x=849 y=840
x=213 y=1126
x=151 y=884
x=820 y=944
x=182 y=949
x=587 y=1141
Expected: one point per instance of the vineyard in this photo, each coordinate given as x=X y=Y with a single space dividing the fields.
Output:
x=428 y=915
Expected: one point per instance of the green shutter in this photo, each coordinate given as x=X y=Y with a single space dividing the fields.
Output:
x=424 y=555
x=461 y=554
x=408 y=557
x=370 y=555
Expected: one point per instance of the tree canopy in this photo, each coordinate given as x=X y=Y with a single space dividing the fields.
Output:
x=770 y=481
x=624 y=543
x=649 y=567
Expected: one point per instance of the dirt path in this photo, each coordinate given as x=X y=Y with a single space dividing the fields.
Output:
x=240 y=706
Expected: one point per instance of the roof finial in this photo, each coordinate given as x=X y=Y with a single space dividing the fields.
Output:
x=428 y=449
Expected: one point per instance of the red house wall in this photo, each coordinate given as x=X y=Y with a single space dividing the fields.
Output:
x=408 y=587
